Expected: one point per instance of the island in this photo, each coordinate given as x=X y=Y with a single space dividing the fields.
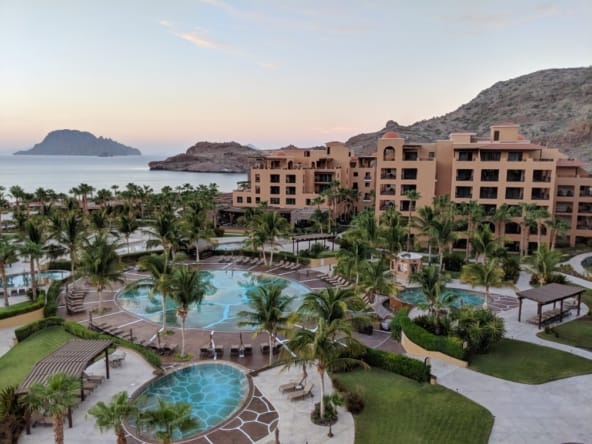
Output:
x=79 y=143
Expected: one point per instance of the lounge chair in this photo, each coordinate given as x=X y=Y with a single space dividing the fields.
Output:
x=291 y=386
x=301 y=394
x=234 y=350
x=204 y=352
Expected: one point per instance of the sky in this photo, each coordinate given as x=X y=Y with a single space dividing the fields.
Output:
x=162 y=75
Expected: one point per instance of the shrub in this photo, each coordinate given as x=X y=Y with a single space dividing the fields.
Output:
x=51 y=304
x=448 y=345
x=218 y=231
x=314 y=251
x=25 y=331
x=479 y=327
x=23 y=307
x=402 y=365
x=354 y=403
x=454 y=262
x=330 y=413
x=511 y=266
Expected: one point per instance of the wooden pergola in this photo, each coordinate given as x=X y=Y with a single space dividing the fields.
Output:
x=72 y=358
x=310 y=238
x=547 y=294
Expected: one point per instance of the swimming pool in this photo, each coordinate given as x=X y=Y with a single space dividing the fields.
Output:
x=24 y=279
x=218 y=309
x=465 y=297
x=215 y=392
x=230 y=246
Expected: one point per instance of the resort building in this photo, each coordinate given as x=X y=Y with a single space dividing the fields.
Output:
x=503 y=168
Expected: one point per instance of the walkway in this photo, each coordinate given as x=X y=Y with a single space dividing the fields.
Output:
x=576 y=262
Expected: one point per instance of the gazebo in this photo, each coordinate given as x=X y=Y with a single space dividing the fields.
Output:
x=72 y=358
x=547 y=294
x=310 y=238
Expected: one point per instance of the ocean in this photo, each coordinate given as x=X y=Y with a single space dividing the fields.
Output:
x=62 y=173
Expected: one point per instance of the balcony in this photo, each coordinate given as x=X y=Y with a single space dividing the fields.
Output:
x=410 y=156
x=564 y=208
x=409 y=174
x=585 y=191
x=515 y=176
x=464 y=156
x=323 y=178
x=540 y=194
x=388 y=173
x=565 y=192
x=490 y=175
x=290 y=179
x=367 y=178
x=488 y=193
x=384 y=204
x=585 y=208
x=464 y=192
x=387 y=192
x=514 y=193
x=541 y=176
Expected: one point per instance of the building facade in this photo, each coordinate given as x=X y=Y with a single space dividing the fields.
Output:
x=503 y=168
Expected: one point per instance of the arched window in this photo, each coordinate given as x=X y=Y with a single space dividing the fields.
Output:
x=389 y=153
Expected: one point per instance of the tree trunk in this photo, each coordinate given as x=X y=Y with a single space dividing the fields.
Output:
x=270 y=347
x=197 y=251
x=183 y=319
x=163 y=311
x=4 y=284
x=100 y=296
x=322 y=401
x=121 y=439
x=33 y=280
x=58 y=429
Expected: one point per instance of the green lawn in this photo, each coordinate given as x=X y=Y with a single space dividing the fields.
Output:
x=529 y=363
x=401 y=410
x=18 y=362
x=577 y=332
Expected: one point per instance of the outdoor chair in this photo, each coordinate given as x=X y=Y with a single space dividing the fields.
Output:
x=291 y=386
x=301 y=394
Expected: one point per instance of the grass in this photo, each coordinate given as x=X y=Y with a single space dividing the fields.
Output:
x=398 y=409
x=18 y=362
x=577 y=333
x=529 y=363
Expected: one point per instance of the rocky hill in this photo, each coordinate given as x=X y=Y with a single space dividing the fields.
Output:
x=211 y=157
x=79 y=143
x=553 y=108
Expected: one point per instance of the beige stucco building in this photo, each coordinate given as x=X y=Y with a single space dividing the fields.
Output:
x=503 y=168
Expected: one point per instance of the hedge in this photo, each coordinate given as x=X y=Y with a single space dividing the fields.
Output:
x=82 y=332
x=23 y=307
x=449 y=345
x=402 y=365
x=51 y=304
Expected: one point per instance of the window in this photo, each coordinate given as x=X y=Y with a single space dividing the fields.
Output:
x=307 y=154
x=409 y=173
x=541 y=176
x=308 y=202
x=257 y=177
x=410 y=155
x=290 y=201
x=328 y=150
x=465 y=155
x=239 y=199
x=257 y=200
x=540 y=194
x=275 y=164
x=388 y=173
x=389 y=153
x=274 y=190
x=464 y=192
x=565 y=191
x=489 y=175
x=431 y=155
x=355 y=174
x=488 y=193
x=496 y=135
x=515 y=176
x=290 y=178
x=248 y=199
x=464 y=175
x=514 y=193
x=323 y=177
x=490 y=156
x=257 y=190
x=274 y=201
x=274 y=178
x=291 y=191
x=405 y=188
x=515 y=156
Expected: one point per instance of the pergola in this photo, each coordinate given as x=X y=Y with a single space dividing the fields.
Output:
x=72 y=358
x=310 y=238
x=547 y=294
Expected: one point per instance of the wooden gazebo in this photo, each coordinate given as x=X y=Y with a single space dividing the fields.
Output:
x=547 y=294
x=72 y=358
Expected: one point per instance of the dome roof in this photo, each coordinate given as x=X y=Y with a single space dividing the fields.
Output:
x=391 y=135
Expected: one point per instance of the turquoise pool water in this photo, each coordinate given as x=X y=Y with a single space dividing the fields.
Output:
x=230 y=246
x=218 y=309
x=465 y=297
x=24 y=280
x=214 y=390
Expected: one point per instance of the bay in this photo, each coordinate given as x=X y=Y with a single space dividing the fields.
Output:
x=62 y=173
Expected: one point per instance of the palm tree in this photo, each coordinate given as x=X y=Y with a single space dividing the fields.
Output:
x=269 y=312
x=413 y=197
x=127 y=225
x=365 y=228
x=188 y=287
x=167 y=418
x=196 y=225
x=444 y=231
x=334 y=303
x=112 y=415
x=69 y=230
x=100 y=220
x=7 y=256
x=350 y=261
x=375 y=279
x=544 y=261
x=490 y=274
x=540 y=216
x=100 y=264
x=320 y=347
x=484 y=243
x=161 y=273
x=164 y=229
x=391 y=232
x=33 y=251
x=269 y=226
x=503 y=214
x=424 y=222
x=4 y=204
x=526 y=222
x=559 y=228
x=55 y=397
x=18 y=193
x=474 y=212
x=433 y=285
